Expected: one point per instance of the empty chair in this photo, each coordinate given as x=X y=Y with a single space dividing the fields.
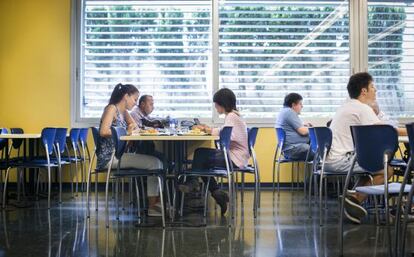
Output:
x=47 y=141
x=251 y=169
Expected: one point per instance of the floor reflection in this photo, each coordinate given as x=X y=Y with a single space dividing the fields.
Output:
x=282 y=228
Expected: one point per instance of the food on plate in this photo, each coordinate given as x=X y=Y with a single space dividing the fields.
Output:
x=150 y=131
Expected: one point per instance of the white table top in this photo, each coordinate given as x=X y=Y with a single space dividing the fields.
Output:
x=20 y=136
x=169 y=138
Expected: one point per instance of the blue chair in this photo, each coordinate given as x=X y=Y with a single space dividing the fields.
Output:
x=75 y=159
x=401 y=229
x=96 y=171
x=375 y=146
x=46 y=162
x=251 y=169
x=119 y=173
x=279 y=158
x=219 y=172
x=95 y=134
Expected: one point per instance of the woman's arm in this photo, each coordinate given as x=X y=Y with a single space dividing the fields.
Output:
x=106 y=121
x=131 y=123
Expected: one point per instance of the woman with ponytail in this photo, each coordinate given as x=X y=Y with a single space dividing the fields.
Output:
x=123 y=98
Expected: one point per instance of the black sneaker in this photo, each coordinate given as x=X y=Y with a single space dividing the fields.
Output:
x=222 y=199
x=353 y=210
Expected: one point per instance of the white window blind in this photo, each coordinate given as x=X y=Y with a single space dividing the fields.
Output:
x=271 y=48
x=391 y=55
x=163 y=47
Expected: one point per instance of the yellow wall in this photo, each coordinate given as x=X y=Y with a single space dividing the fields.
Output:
x=35 y=71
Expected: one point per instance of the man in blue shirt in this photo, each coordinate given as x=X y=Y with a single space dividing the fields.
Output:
x=296 y=144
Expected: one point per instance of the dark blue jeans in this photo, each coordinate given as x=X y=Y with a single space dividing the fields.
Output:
x=208 y=158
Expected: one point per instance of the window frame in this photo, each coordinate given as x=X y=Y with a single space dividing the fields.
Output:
x=358 y=58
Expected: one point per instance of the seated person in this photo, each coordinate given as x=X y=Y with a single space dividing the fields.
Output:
x=355 y=111
x=124 y=98
x=206 y=158
x=141 y=112
x=296 y=144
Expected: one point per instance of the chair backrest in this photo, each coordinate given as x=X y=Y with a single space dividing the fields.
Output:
x=252 y=135
x=48 y=138
x=60 y=138
x=17 y=143
x=225 y=136
x=281 y=135
x=83 y=135
x=410 y=132
x=323 y=140
x=74 y=135
x=120 y=146
x=95 y=135
x=371 y=143
x=3 y=141
x=312 y=140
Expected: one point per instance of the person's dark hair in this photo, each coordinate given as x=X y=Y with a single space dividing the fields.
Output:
x=292 y=98
x=120 y=90
x=226 y=99
x=142 y=99
x=357 y=82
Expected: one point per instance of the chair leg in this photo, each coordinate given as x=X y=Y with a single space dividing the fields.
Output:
x=206 y=198
x=242 y=188
x=37 y=184
x=123 y=193
x=138 y=200
x=130 y=188
x=320 y=200
x=6 y=179
x=162 y=201
x=117 y=198
x=106 y=195
x=76 y=175
x=144 y=203
x=71 y=180
x=49 y=188
x=182 y=199
x=278 y=178
x=88 y=189
x=60 y=184
x=310 y=194
x=96 y=191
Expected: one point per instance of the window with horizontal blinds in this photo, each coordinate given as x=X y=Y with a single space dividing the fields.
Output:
x=271 y=48
x=163 y=47
x=391 y=55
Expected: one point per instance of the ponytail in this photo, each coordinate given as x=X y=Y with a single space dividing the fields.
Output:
x=120 y=90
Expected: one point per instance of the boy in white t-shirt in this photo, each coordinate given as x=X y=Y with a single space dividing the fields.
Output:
x=355 y=111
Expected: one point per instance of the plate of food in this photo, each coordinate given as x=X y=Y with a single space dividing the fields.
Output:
x=195 y=132
x=149 y=132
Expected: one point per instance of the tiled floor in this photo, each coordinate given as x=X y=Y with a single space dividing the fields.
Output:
x=282 y=228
